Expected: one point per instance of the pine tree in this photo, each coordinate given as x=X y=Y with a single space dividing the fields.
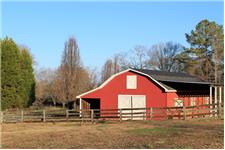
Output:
x=11 y=90
x=206 y=49
x=28 y=77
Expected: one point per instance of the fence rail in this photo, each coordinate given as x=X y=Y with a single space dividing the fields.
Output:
x=211 y=110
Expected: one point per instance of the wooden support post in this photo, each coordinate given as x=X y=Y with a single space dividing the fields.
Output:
x=44 y=115
x=80 y=107
x=210 y=101
x=220 y=103
x=92 y=115
x=151 y=113
x=220 y=95
x=184 y=112
x=121 y=115
x=215 y=102
x=21 y=115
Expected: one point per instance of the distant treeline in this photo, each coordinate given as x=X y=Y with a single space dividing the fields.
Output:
x=203 y=58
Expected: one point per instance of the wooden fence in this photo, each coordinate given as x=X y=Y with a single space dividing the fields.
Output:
x=211 y=110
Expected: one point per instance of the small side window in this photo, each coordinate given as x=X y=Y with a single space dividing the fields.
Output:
x=178 y=103
x=131 y=82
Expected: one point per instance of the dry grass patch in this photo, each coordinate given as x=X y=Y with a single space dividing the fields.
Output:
x=128 y=134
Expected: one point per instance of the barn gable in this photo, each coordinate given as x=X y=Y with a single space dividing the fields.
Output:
x=160 y=84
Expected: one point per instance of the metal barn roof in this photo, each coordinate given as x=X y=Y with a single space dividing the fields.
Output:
x=172 y=76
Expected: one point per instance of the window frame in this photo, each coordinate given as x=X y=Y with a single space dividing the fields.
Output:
x=131 y=82
x=178 y=104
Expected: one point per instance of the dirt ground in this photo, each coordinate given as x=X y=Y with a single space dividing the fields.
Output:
x=128 y=134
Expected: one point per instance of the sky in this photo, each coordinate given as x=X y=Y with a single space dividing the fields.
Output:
x=101 y=29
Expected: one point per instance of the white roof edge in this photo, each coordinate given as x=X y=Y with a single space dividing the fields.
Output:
x=103 y=84
x=115 y=75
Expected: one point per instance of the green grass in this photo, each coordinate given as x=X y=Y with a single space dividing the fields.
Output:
x=156 y=130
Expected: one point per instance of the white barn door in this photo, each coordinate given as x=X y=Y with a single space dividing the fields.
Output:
x=138 y=101
x=124 y=101
x=132 y=101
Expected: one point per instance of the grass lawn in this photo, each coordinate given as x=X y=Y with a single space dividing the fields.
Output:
x=128 y=134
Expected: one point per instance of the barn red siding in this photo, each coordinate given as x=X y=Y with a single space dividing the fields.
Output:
x=170 y=99
x=199 y=99
x=155 y=96
x=95 y=94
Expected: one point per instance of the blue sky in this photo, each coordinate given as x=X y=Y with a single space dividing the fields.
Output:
x=101 y=28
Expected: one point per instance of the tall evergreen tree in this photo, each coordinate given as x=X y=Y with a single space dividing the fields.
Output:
x=27 y=74
x=11 y=90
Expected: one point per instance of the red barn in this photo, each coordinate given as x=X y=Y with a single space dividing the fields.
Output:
x=140 y=88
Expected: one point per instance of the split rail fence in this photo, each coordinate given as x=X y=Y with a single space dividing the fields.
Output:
x=211 y=110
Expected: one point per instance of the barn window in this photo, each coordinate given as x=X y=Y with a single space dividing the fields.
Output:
x=193 y=102
x=131 y=82
x=206 y=100
x=178 y=103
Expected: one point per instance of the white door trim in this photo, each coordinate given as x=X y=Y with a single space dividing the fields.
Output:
x=132 y=101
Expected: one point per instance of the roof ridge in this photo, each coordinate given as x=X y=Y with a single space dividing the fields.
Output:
x=166 y=72
x=175 y=76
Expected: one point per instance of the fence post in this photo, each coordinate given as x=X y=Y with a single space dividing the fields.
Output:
x=167 y=114
x=82 y=115
x=144 y=115
x=1 y=117
x=218 y=111
x=151 y=113
x=120 y=115
x=184 y=112
x=21 y=115
x=92 y=115
x=67 y=115
x=43 y=115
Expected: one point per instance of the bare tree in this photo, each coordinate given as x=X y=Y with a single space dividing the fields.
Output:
x=44 y=80
x=107 y=70
x=69 y=70
x=163 y=56
x=92 y=76
x=72 y=78
x=138 y=57
x=121 y=61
